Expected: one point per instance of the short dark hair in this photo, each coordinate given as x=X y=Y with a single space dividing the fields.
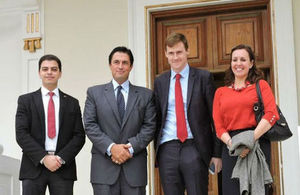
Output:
x=50 y=57
x=254 y=73
x=121 y=49
x=175 y=38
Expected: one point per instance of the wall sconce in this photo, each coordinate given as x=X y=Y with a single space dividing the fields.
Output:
x=32 y=40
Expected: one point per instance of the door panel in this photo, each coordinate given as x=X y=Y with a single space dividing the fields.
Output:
x=196 y=32
x=237 y=28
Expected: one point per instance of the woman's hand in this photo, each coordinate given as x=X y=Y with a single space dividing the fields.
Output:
x=245 y=152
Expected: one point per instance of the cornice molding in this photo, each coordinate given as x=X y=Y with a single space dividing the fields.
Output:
x=16 y=6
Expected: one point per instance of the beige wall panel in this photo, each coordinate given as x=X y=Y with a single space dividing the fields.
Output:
x=82 y=34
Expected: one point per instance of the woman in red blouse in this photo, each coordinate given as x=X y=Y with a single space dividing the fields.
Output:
x=233 y=110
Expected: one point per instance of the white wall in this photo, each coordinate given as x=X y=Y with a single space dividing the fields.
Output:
x=10 y=79
x=82 y=34
x=296 y=23
x=284 y=60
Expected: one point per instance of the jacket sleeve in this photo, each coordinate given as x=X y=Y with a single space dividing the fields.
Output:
x=209 y=95
x=74 y=145
x=146 y=133
x=100 y=140
x=30 y=147
x=158 y=113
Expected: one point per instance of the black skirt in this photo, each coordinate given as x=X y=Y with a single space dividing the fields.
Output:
x=232 y=186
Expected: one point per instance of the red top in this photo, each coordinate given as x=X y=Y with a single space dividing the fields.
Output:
x=233 y=110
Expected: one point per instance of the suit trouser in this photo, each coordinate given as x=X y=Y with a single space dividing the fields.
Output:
x=56 y=184
x=121 y=187
x=232 y=186
x=181 y=167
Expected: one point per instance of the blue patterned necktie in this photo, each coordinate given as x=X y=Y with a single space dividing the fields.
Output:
x=120 y=102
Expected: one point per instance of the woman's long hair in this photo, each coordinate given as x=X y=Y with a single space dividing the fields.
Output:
x=254 y=74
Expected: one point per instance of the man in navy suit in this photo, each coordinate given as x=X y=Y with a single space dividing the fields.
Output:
x=50 y=132
x=185 y=140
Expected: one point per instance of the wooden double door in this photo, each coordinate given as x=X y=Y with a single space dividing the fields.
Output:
x=212 y=31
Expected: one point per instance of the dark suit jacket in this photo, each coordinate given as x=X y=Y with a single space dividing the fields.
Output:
x=200 y=95
x=103 y=126
x=30 y=134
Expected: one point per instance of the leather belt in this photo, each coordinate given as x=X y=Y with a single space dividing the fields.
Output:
x=178 y=142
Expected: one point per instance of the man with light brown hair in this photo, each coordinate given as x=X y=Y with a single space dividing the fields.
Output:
x=185 y=140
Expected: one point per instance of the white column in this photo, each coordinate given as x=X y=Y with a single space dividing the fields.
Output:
x=284 y=62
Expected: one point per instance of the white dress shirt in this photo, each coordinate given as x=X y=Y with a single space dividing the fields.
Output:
x=125 y=92
x=169 y=132
x=50 y=144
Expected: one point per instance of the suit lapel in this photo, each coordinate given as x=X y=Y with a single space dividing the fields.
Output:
x=132 y=96
x=38 y=101
x=190 y=86
x=111 y=99
x=62 y=105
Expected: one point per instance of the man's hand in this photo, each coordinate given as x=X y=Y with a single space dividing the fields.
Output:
x=218 y=164
x=52 y=162
x=120 y=153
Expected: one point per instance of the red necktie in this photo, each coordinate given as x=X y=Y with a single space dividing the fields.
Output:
x=180 y=116
x=51 y=117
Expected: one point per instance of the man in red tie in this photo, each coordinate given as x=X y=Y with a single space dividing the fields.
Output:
x=185 y=139
x=50 y=132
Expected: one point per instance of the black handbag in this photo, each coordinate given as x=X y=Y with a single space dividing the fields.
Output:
x=280 y=130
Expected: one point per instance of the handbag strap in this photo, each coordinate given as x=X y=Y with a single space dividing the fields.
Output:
x=259 y=95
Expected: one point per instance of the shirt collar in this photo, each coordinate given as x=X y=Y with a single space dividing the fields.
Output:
x=45 y=91
x=124 y=85
x=184 y=72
